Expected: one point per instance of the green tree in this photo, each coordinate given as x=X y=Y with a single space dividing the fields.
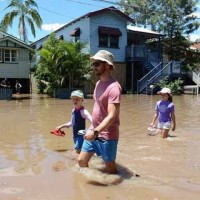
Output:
x=3 y=28
x=27 y=14
x=62 y=64
x=171 y=17
x=174 y=18
x=177 y=23
x=142 y=11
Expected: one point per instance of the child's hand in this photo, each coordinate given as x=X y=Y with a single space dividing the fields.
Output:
x=57 y=128
x=173 y=128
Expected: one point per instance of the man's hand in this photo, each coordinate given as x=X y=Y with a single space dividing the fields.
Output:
x=90 y=135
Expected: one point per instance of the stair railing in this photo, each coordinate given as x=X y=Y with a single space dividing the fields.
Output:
x=195 y=77
x=166 y=70
x=141 y=84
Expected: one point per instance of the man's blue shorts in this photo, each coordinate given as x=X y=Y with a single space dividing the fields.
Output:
x=107 y=149
x=78 y=142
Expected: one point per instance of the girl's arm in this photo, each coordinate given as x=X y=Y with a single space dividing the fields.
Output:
x=154 y=118
x=173 y=120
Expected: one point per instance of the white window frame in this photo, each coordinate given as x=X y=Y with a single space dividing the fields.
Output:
x=11 y=60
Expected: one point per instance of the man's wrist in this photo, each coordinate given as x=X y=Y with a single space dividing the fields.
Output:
x=96 y=133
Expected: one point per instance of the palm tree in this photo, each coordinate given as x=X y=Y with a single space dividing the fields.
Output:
x=62 y=65
x=26 y=11
x=3 y=28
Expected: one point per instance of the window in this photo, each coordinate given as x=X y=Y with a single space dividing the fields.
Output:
x=76 y=34
x=1 y=58
x=114 y=41
x=61 y=37
x=103 y=40
x=10 y=55
x=77 y=38
x=109 y=37
x=40 y=47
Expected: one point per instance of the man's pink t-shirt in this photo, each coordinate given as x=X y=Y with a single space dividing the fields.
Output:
x=106 y=92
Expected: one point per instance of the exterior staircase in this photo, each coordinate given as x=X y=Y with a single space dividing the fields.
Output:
x=148 y=83
x=195 y=77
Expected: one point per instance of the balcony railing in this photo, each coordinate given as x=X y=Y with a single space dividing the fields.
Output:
x=140 y=52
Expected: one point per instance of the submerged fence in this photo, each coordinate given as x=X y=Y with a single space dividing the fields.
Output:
x=5 y=93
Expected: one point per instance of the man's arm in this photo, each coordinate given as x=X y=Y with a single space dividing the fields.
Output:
x=113 y=110
x=3 y=84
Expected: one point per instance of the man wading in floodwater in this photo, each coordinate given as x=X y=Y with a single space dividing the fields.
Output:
x=105 y=115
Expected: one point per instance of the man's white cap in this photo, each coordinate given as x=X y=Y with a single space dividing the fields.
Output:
x=164 y=91
x=104 y=55
x=77 y=93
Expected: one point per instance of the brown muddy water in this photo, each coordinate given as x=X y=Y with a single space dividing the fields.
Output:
x=36 y=165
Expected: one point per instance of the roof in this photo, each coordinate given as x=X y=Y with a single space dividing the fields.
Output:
x=195 y=45
x=113 y=9
x=92 y=14
x=7 y=36
x=143 y=30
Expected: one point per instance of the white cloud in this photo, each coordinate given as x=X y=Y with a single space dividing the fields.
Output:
x=197 y=14
x=193 y=37
x=51 y=27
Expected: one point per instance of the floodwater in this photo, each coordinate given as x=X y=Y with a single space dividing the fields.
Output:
x=36 y=165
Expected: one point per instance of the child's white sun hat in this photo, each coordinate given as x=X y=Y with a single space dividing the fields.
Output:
x=77 y=93
x=164 y=91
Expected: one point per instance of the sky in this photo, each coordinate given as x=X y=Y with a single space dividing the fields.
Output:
x=56 y=13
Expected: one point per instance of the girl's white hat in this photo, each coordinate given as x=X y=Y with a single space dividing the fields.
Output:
x=164 y=91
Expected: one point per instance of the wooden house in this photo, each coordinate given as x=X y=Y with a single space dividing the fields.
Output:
x=15 y=61
x=108 y=29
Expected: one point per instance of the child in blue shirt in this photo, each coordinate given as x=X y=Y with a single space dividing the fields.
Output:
x=165 y=112
x=77 y=122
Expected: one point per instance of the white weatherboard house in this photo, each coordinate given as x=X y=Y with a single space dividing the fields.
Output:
x=15 y=61
x=107 y=29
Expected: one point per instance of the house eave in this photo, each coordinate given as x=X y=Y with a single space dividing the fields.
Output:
x=16 y=41
x=88 y=15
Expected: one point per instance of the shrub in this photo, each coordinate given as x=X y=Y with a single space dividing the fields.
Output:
x=176 y=86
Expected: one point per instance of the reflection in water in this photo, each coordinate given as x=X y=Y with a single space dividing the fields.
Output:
x=27 y=149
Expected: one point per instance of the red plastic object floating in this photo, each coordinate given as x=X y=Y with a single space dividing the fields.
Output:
x=58 y=132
